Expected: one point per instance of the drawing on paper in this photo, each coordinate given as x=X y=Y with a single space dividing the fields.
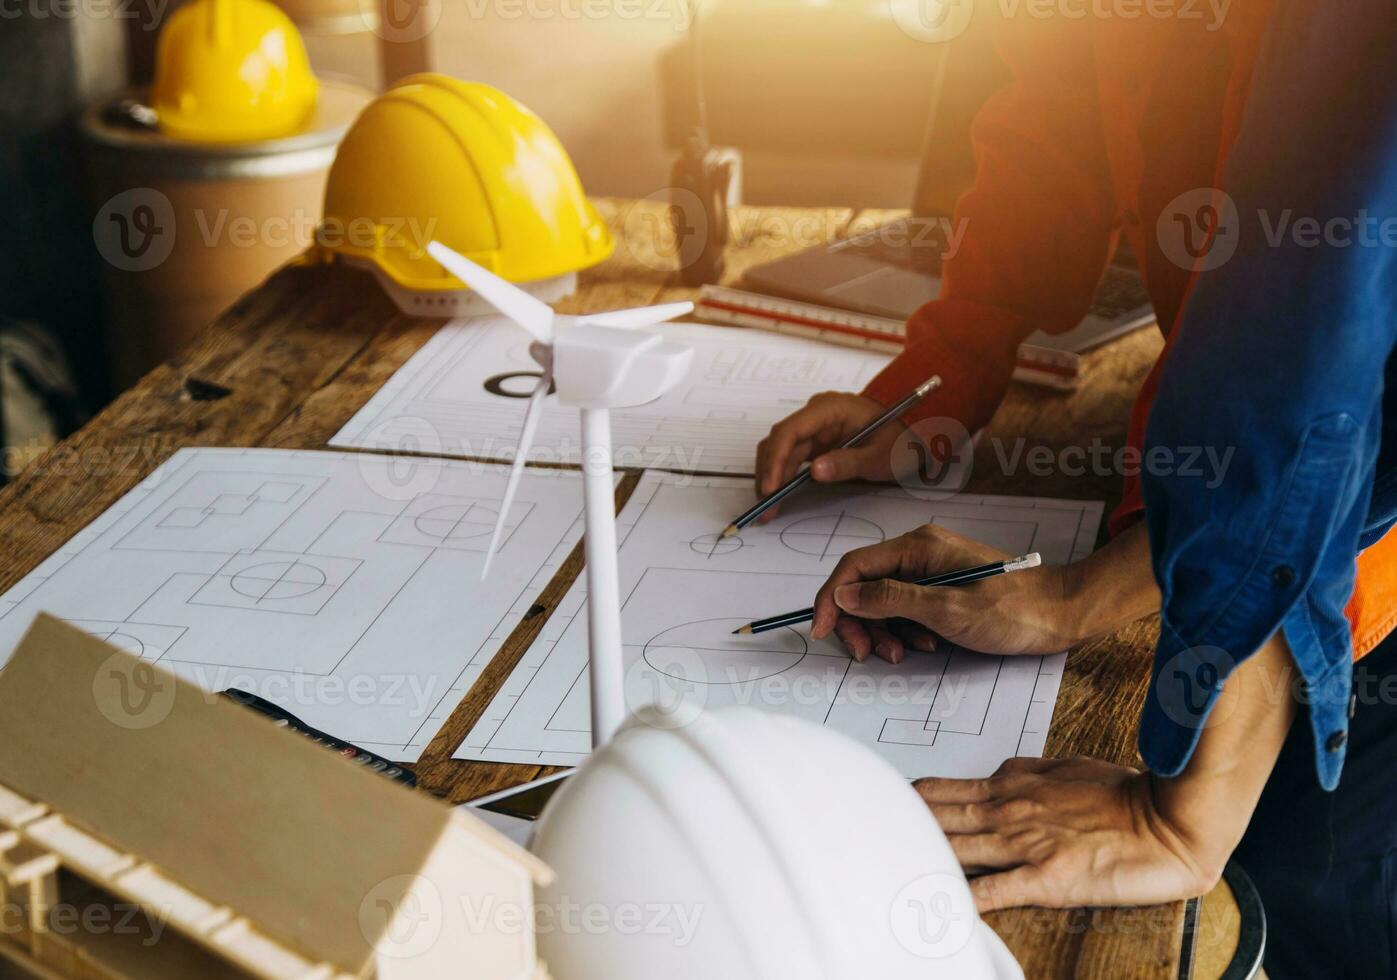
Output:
x=951 y=713
x=344 y=587
x=458 y=396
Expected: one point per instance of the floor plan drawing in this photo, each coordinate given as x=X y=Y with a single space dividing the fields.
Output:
x=461 y=395
x=684 y=590
x=345 y=587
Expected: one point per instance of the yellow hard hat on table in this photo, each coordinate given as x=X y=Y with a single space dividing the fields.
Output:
x=231 y=71
x=436 y=158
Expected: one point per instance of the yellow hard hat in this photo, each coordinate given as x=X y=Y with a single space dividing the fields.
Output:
x=464 y=164
x=231 y=71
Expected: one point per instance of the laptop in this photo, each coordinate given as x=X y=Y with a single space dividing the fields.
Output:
x=891 y=270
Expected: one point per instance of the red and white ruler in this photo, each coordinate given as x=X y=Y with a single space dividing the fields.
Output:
x=738 y=308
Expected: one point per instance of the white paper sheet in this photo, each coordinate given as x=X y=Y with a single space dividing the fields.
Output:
x=462 y=395
x=684 y=590
x=345 y=587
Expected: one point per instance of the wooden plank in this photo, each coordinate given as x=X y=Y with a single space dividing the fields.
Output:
x=244 y=375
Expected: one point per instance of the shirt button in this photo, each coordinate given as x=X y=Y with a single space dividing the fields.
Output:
x=1336 y=741
x=1283 y=576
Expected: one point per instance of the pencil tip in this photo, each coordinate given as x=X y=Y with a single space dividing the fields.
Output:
x=744 y=629
x=729 y=531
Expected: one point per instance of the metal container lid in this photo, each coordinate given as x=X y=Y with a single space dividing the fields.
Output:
x=112 y=129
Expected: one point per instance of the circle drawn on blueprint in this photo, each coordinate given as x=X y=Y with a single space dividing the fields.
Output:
x=722 y=658
x=456 y=522
x=710 y=545
x=830 y=535
x=278 y=580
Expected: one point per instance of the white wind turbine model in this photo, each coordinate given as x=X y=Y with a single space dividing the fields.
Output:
x=598 y=362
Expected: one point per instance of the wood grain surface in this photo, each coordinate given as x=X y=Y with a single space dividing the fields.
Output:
x=291 y=361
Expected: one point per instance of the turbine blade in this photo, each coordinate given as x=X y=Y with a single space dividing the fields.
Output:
x=641 y=316
x=529 y=312
x=516 y=469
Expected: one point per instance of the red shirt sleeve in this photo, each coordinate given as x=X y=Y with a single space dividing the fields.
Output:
x=1033 y=234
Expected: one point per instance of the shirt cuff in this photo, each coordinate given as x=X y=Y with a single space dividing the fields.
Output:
x=972 y=347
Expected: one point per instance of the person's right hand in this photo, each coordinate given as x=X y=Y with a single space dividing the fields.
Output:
x=871 y=604
x=814 y=433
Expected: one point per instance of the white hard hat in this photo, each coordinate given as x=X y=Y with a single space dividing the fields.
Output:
x=745 y=844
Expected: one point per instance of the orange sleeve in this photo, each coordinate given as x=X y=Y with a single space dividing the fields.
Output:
x=1034 y=232
x=1372 y=609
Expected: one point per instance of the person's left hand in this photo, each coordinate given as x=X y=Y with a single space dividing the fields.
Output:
x=1063 y=833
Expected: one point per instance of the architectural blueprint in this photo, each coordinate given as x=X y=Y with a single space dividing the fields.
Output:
x=461 y=395
x=684 y=589
x=345 y=587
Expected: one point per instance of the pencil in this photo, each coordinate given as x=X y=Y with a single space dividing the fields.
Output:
x=803 y=477
x=964 y=576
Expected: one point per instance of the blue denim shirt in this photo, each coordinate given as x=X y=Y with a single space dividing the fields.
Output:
x=1284 y=352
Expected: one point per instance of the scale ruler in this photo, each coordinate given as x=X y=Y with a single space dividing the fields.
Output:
x=739 y=308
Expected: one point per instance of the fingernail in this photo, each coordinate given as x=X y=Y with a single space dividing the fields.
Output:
x=846 y=597
x=884 y=651
x=897 y=656
x=822 y=469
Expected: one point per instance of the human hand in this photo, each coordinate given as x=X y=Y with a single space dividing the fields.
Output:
x=814 y=433
x=870 y=604
x=1063 y=833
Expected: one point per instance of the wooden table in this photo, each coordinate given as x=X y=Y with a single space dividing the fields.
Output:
x=291 y=361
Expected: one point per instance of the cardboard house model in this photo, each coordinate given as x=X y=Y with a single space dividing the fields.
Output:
x=149 y=829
